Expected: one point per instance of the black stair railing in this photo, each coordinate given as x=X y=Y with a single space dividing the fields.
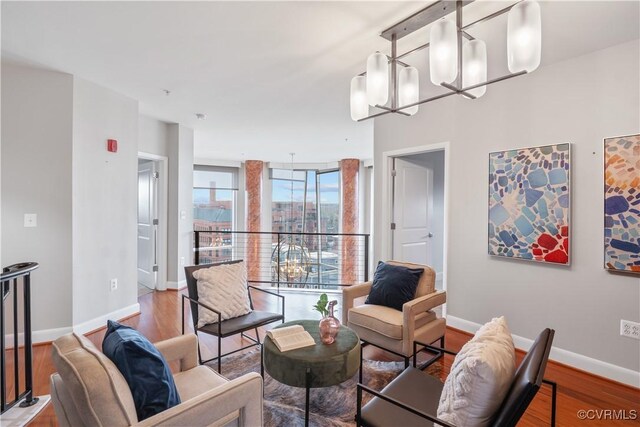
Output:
x=16 y=279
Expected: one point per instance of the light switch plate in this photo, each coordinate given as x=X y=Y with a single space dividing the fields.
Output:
x=183 y=215
x=30 y=220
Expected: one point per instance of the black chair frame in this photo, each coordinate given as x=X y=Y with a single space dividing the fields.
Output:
x=218 y=333
x=364 y=343
x=441 y=351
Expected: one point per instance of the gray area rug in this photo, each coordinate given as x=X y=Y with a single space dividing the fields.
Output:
x=329 y=407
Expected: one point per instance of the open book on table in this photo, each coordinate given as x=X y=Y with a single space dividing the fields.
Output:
x=291 y=338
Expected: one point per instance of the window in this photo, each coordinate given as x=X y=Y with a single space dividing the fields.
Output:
x=307 y=201
x=214 y=205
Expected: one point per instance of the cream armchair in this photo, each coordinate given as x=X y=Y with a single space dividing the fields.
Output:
x=394 y=330
x=88 y=389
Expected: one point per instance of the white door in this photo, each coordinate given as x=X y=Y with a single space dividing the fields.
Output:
x=412 y=212
x=147 y=224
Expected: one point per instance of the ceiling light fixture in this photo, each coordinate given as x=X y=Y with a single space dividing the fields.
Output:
x=457 y=60
x=201 y=116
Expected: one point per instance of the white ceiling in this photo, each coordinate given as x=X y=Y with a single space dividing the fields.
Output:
x=272 y=77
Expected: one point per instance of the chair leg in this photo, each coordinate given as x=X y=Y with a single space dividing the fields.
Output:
x=358 y=406
x=554 y=394
x=442 y=341
x=262 y=365
x=360 y=370
x=406 y=362
x=257 y=336
x=199 y=353
x=219 y=353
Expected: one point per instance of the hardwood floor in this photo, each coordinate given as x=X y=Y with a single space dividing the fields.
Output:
x=577 y=390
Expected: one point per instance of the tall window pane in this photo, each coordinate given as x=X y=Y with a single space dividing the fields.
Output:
x=329 y=222
x=308 y=202
x=214 y=199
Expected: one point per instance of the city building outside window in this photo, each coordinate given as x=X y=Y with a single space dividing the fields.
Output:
x=308 y=201
x=214 y=207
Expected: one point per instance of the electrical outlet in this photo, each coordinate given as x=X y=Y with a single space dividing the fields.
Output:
x=114 y=284
x=630 y=329
x=30 y=220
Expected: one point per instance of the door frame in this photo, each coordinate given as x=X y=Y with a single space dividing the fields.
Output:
x=386 y=237
x=163 y=201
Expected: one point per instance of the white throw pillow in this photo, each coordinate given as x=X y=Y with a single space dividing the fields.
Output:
x=223 y=288
x=480 y=377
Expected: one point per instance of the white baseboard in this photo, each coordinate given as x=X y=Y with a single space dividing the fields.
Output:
x=48 y=335
x=579 y=361
x=176 y=285
x=43 y=335
x=100 y=321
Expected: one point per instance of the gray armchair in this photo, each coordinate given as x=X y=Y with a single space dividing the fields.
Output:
x=88 y=389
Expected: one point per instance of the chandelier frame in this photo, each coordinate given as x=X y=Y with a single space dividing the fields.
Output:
x=418 y=20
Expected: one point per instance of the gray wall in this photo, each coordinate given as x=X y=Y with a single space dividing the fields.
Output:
x=104 y=201
x=36 y=178
x=180 y=240
x=581 y=100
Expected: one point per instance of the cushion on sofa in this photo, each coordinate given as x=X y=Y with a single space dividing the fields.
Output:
x=384 y=320
x=223 y=288
x=480 y=377
x=95 y=384
x=427 y=282
x=145 y=369
x=393 y=285
x=197 y=381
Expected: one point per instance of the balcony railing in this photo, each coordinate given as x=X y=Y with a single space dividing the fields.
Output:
x=292 y=260
x=15 y=282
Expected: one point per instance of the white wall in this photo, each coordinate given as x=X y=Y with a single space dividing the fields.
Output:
x=180 y=203
x=153 y=136
x=36 y=178
x=104 y=202
x=581 y=100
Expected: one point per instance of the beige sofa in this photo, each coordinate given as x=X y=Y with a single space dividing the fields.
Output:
x=88 y=389
x=395 y=330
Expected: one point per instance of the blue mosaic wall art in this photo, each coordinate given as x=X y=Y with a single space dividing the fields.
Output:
x=529 y=203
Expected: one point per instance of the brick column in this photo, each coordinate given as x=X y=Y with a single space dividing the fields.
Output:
x=253 y=182
x=349 y=169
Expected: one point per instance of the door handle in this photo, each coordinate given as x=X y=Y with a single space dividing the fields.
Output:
x=430 y=235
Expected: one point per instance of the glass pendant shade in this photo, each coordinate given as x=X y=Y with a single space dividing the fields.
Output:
x=359 y=105
x=377 y=79
x=408 y=89
x=524 y=37
x=443 y=52
x=474 y=66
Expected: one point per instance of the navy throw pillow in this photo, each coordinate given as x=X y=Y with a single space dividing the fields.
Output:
x=393 y=285
x=147 y=373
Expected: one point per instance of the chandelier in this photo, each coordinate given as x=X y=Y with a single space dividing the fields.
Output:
x=457 y=60
x=293 y=260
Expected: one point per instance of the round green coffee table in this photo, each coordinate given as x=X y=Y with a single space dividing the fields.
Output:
x=314 y=366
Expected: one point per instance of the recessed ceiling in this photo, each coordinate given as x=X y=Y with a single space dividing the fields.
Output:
x=271 y=77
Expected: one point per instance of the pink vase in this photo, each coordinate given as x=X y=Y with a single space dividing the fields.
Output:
x=329 y=326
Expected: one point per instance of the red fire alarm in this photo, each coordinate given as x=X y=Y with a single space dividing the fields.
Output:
x=112 y=145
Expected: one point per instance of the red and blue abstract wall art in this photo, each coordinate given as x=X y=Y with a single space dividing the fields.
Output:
x=529 y=203
x=622 y=203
